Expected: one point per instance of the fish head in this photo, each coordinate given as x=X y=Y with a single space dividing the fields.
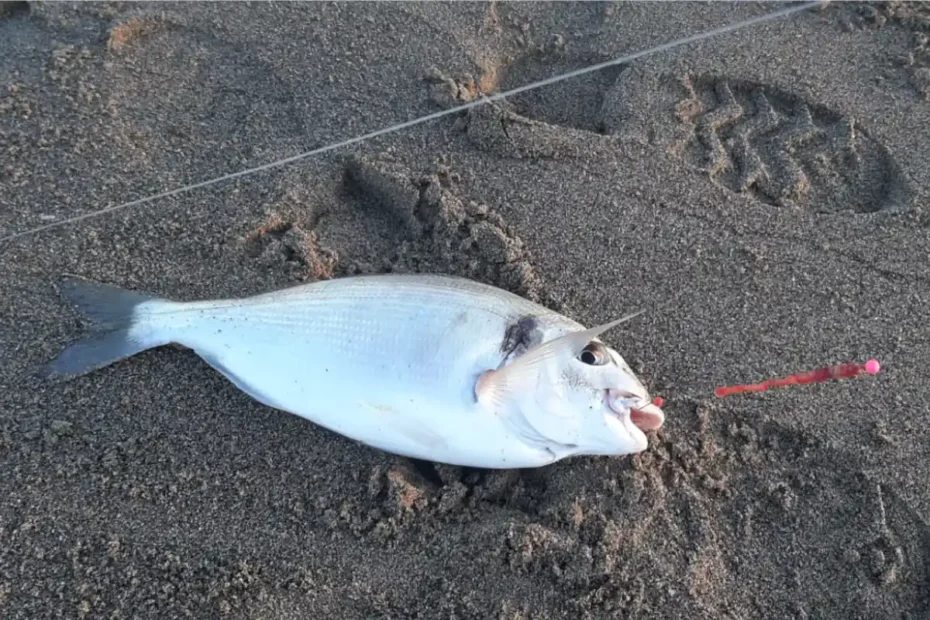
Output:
x=593 y=403
x=573 y=394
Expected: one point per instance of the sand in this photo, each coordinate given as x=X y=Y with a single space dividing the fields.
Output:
x=764 y=194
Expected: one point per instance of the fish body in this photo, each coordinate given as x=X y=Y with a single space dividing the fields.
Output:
x=415 y=365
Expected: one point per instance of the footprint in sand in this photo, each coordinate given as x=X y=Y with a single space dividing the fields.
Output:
x=552 y=122
x=759 y=140
x=440 y=231
x=752 y=138
x=155 y=59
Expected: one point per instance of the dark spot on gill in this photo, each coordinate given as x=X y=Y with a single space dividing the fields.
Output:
x=519 y=335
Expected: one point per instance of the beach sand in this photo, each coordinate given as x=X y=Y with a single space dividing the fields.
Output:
x=763 y=194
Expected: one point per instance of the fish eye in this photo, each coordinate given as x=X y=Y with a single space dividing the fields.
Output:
x=595 y=354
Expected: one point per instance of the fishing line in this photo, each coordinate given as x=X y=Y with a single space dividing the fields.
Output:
x=424 y=119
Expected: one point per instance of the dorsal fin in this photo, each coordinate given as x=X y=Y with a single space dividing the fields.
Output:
x=494 y=386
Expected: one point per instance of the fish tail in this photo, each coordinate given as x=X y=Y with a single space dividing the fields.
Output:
x=118 y=329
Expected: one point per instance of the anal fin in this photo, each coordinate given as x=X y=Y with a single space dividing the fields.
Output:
x=217 y=364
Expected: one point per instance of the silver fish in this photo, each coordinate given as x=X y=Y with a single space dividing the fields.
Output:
x=425 y=366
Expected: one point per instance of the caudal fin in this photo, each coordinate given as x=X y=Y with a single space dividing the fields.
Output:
x=112 y=313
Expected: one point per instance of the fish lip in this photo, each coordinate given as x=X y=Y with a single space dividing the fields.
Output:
x=645 y=417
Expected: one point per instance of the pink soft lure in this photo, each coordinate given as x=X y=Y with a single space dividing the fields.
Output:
x=840 y=371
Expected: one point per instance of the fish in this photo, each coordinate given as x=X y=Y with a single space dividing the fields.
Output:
x=425 y=366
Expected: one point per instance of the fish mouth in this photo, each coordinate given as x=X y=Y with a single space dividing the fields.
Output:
x=646 y=417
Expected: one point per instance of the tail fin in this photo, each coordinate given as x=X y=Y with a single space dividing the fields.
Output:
x=112 y=311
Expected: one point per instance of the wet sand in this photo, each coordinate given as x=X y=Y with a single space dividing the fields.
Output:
x=764 y=193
